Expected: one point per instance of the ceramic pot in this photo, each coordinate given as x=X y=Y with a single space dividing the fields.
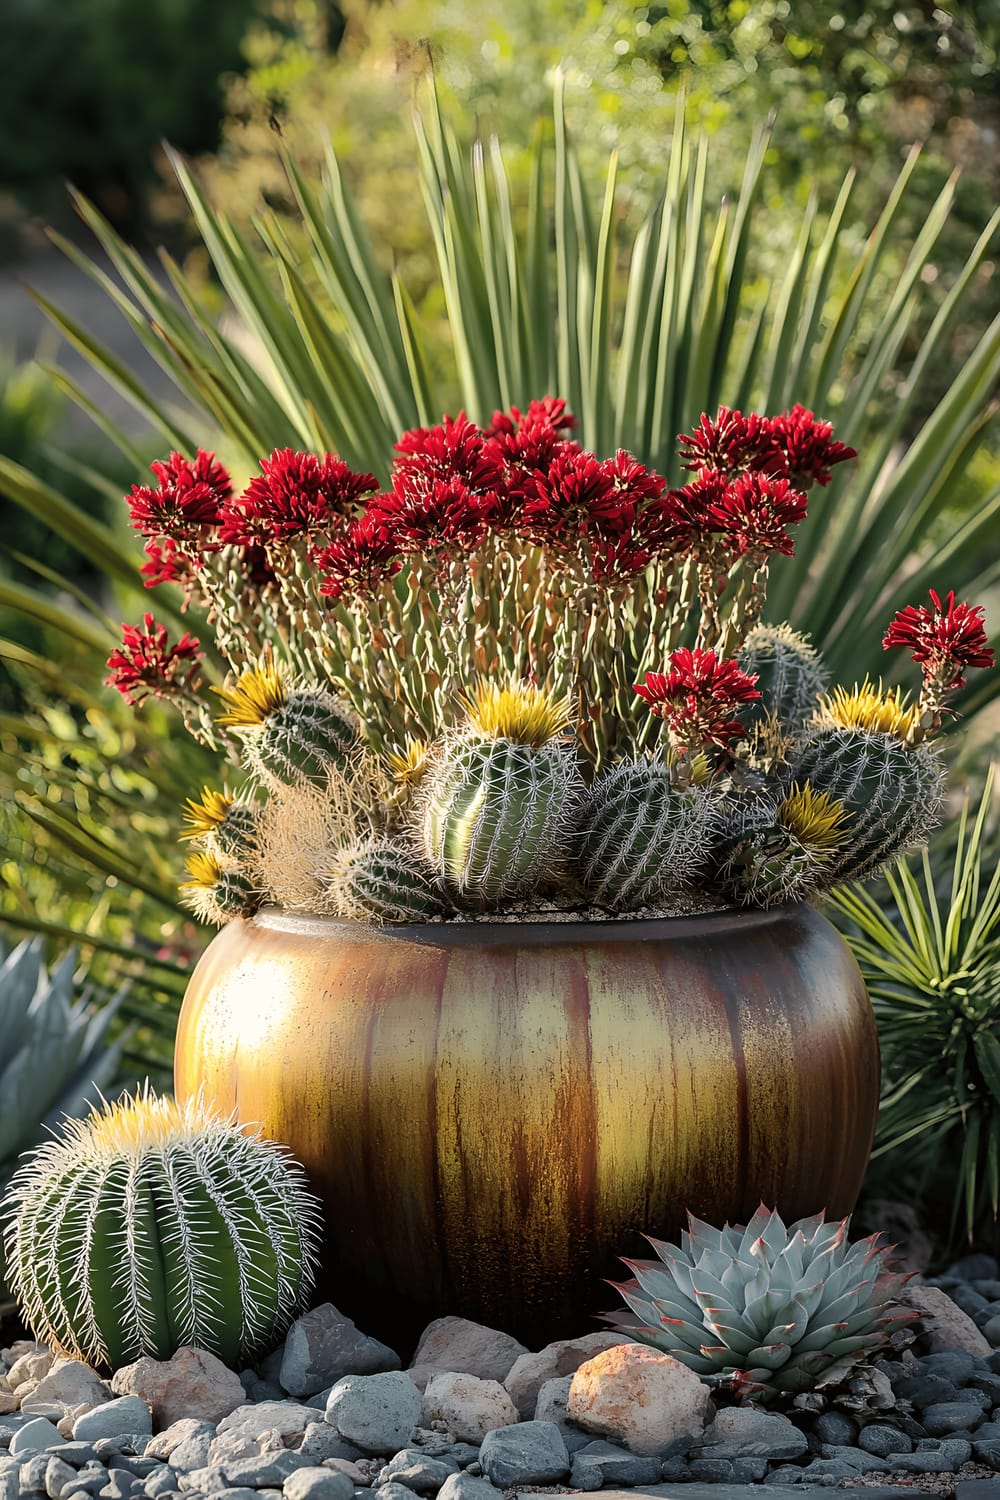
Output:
x=493 y=1112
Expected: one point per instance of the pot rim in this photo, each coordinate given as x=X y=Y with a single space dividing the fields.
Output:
x=530 y=933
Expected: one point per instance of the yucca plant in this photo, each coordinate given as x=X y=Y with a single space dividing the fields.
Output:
x=762 y=1312
x=152 y=1225
x=640 y=321
x=930 y=955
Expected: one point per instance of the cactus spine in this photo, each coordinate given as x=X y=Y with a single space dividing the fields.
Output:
x=790 y=676
x=642 y=841
x=151 y=1225
x=293 y=735
x=217 y=893
x=768 y=854
x=228 y=827
x=499 y=801
x=381 y=880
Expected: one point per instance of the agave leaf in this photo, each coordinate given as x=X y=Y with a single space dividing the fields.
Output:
x=735 y=1331
x=987 y=1049
x=767 y=1357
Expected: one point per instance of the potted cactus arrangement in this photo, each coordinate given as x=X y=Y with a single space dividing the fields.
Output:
x=528 y=811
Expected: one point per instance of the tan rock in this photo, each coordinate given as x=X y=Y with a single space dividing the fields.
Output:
x=946 y=1326
x=192 y=1383
x=564 y=1357
x=29 y=1368
x=639 y=1397
x=469 y=1407
x=8 y=1403
x=459 y=1346
x=73 y=1383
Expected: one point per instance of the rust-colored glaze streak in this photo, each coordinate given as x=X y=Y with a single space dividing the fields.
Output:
x=492 y=1115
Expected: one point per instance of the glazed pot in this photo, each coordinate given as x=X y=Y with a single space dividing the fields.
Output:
x=493 y=1112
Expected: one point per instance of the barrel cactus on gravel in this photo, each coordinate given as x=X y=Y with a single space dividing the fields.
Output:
x=152 y=1225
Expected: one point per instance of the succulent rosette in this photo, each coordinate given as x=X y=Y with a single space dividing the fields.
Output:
x=605 y=627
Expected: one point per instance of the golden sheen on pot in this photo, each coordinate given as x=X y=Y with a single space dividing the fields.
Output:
x=493 y=1112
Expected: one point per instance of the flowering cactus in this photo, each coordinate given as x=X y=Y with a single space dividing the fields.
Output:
x=354 y=620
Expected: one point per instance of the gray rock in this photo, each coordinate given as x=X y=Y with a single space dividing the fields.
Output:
x=323 y=1346
x=466 y=1487
x=269 y=1416
x=958 y=1365
x=126 y=1414
x=988 y=1287
x=827 y=1471
x=227 y=1447
x=527 y=1453
x=835 y=1427
x=879 y=1438
x=206 y=1480
x=321 y=1441
x=393 y=1491
x=264 y=1469
x=712 y=1470
x=225 y=1493
x=91 y=1477
x=989 y=1432
x=675 y=1470
x=855 y=1458
x=922 y=1463
x=459 y=1347
x=991 y=1330
x=353 y=1471
x=987 y=1453
x=162 y=1481
x=34 y=1437
x=957 y=1451
x=749 y=1470
x=951 y=1416
x=462 y=1454
x=785 y=1474
x=745 y=1432
x=164 y=1443
x=925 y=1390
x=976 y=1489
x=467 y=1405
x=985 y=1380
x=417 y=1471
x=318 y=1484
x=972 y=1267
x=618 y=1466
x=192 y=1452
x=551 y=1406
x=584 y=1476
x=378 y=1413
x=124 y=1442
x=32 y=1474
x=119 y=1487
x=77 y=1454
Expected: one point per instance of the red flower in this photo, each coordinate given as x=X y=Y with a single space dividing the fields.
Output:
x=294 y=493
x=731 y=443
x=683 y=521
x=696 y=698
x=448 y=485
x=530 y=440
x=167 y=563
x=753 y=512
x=357 y=562
x=944 y=640
x=189 y=497
x=580 y=496
x=146 y=666
x=807 y=447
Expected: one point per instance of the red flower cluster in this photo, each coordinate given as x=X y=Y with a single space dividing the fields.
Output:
x=294 y=494
x=752 y=475
x=792 y=445
x=944 y=641
x=146 y=666
x=696 y=698
x=179 y=514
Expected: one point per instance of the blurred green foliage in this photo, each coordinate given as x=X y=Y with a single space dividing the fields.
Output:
x=89 y=88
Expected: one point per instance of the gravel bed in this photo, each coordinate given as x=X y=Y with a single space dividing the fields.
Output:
x=330 y=1416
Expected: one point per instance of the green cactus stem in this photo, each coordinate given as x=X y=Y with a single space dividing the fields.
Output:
x=890 y=791
x=381 y=880
x=766 y=854
x=498 y=803
x=642 y=841
x=217 y=893
x=228 y=827
x=790 y=677
x=151 y=1225
x=292 y=734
